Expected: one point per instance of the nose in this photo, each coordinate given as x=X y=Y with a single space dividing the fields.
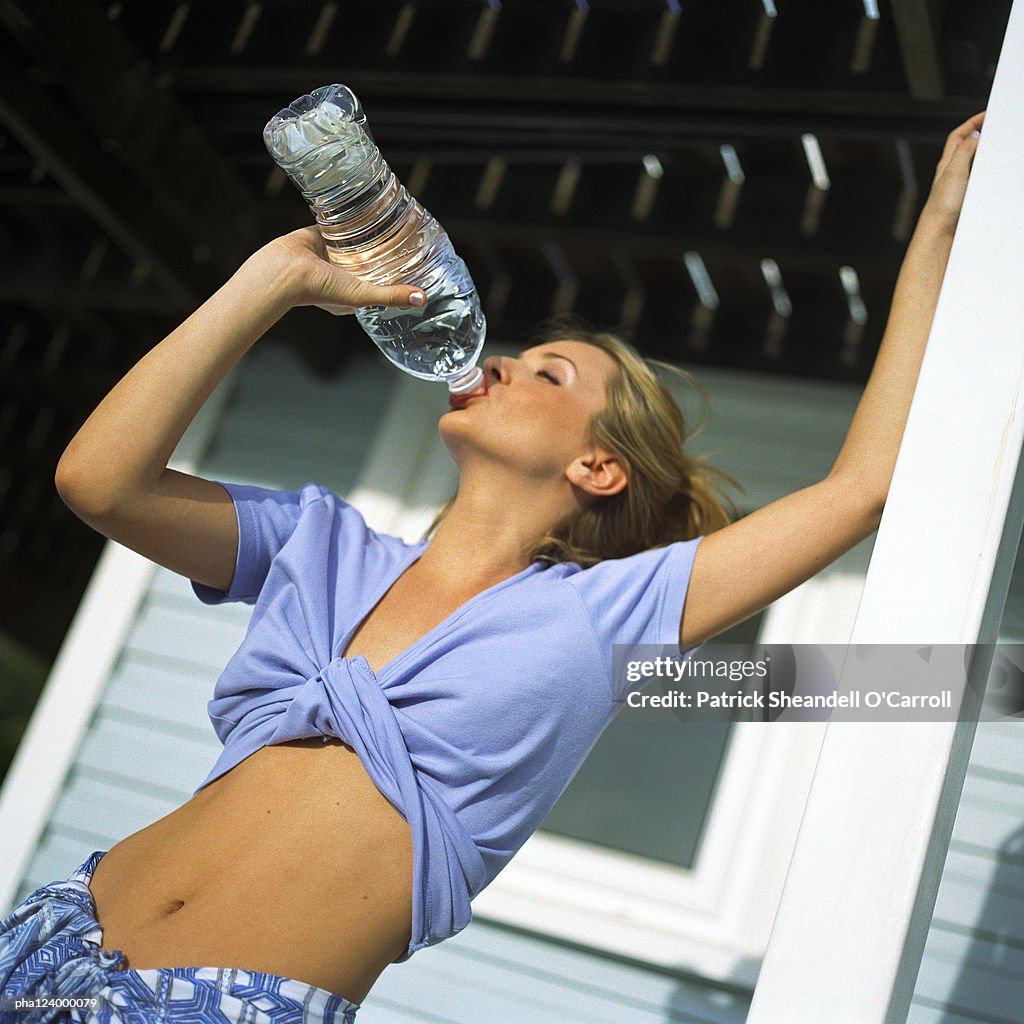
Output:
x=497 y=369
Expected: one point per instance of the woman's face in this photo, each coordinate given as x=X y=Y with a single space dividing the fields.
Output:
x=537 y=412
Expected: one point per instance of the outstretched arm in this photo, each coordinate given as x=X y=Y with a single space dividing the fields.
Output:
x=749 y=564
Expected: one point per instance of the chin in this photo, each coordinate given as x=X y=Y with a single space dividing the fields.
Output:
x=448 y=421
x=451 y=435
x=464 y=441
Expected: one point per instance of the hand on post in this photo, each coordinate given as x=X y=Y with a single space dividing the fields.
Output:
x=952 y=173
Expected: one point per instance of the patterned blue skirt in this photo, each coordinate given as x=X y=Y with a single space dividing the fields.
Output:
x=53 y=970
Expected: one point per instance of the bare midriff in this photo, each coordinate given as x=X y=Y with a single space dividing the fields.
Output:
x=293 y=863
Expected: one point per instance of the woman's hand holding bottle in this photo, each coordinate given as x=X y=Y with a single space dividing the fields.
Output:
x=312 y=280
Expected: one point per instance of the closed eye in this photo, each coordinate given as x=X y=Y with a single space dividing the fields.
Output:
x=550 y=376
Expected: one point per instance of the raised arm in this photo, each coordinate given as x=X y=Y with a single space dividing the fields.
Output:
x=114 y=476
x=747 y=565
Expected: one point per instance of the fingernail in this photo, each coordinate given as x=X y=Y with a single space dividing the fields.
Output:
x=417 y=298
x=974 y=135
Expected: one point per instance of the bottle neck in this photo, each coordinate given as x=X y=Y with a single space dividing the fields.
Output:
x=472 y=379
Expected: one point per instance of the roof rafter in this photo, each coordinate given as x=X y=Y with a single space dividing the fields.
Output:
x=918 y=26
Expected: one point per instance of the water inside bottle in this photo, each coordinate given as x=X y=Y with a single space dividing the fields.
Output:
x=438 y=341
x=373 y=228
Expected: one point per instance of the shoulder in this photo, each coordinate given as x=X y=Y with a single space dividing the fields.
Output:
x=354 y=520
x=639 y=586
x=322 y=501
x=320 y=512
x=679 y=552
x=637 y=598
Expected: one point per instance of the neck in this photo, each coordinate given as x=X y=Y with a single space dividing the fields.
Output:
x=489 y=531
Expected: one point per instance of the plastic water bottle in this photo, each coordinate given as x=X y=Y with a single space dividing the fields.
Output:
x=373 y=228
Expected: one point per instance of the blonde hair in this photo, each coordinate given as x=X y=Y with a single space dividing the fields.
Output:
x=670 y=495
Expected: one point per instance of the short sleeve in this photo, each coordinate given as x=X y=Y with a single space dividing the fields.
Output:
x=639 y=599
x=266 y=519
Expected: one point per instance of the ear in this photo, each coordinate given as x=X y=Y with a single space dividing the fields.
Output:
x=599 y=472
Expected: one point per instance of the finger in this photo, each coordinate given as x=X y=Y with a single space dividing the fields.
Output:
x=388 y=295
x=308 y=231
x=969 y=132
x=963 y=153
x=956 y=136
x=961 y=131
x=315 y=240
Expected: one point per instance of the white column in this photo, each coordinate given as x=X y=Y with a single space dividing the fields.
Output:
x=847 y=941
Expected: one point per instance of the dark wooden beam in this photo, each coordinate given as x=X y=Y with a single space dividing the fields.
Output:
x=96 y=182
x=805 y=258
x=61 y=296
x=737 y=103
x=77 y=67
x=918 y=28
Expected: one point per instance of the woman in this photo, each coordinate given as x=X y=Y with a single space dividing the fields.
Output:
x=400 y=716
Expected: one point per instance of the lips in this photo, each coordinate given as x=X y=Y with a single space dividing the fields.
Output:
x=459 y=401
